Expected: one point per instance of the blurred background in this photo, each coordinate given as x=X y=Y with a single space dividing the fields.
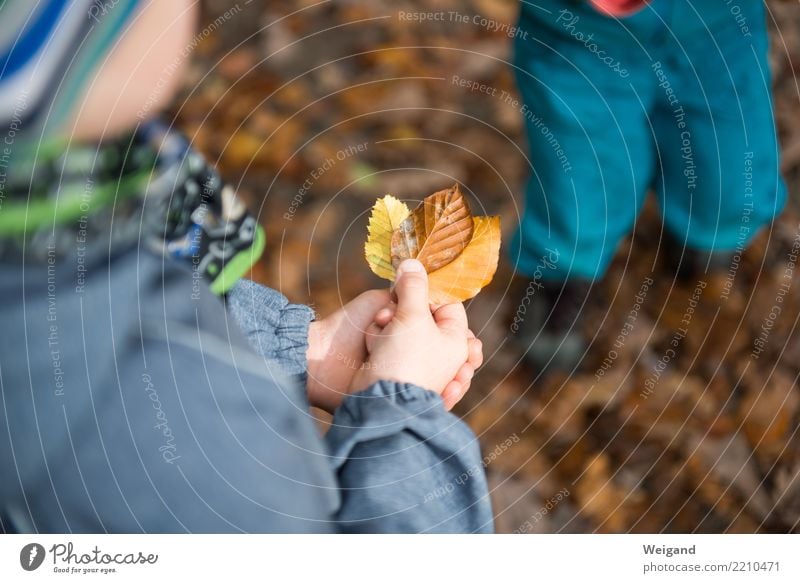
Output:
x=316 y=108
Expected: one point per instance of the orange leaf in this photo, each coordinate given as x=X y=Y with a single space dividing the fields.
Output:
x=467 y=274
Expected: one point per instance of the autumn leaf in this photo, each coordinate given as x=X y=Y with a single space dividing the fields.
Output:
x=472 y=270
x=460 y=252
x=387 y=214
x=437 y=231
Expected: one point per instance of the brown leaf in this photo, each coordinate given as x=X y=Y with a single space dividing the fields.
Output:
x=437 y=231
x=725 y=467
x=602 y=498
x=767 y=412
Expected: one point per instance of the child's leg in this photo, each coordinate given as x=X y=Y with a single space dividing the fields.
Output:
x=719 y=179
x=587 y=91
x=587 y=94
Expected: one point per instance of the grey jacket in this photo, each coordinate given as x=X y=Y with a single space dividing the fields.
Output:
x=133 y=402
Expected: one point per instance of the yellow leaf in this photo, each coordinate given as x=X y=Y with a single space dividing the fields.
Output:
x=436 y=232
x=467 y=274
x=387 y=214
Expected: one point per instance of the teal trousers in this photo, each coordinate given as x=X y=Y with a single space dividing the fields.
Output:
x=675 y=99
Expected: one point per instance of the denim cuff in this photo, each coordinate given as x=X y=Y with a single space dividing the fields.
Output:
x=386 y=395
x=275 y=328
x=394 y=448
x=388 y=408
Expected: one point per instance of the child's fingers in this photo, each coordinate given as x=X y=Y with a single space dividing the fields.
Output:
x=452 y=316
x=465 y=373
x=411 y=287
x=454 y=392
x=374 y=298
x=475 y=353
x=370 y=335
x=458 y=387
x=451 y=394
x=385 y=315
x=358 y=313
x=464 y=389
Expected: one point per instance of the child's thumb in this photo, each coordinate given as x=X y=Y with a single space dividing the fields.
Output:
x=411 y=287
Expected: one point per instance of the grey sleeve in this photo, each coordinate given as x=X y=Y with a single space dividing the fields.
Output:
x=275 y=328
x=403 y=463
x=406 y=465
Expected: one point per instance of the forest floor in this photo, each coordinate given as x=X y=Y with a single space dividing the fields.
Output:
x=315 y=113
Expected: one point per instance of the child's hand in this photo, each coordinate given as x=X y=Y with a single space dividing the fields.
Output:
x=431 y=348
x=459 y=386
x=336 y=348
